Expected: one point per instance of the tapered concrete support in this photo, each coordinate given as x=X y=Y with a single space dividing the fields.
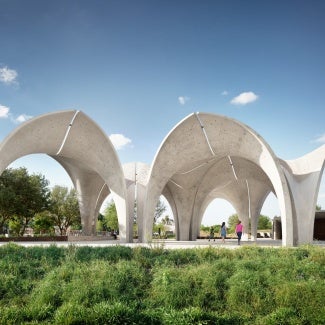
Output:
x=184 y=204
x=130 y=179
x=89 y=186
x=136 y=176
x=304 y=177
x=258 y=192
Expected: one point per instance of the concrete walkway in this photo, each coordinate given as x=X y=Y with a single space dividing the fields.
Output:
x=167 y=244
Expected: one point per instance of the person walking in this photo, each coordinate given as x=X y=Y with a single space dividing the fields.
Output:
x=211 y=233
x=239 y=230
x=223 y=232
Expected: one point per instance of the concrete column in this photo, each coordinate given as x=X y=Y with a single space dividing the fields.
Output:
x=277 y=229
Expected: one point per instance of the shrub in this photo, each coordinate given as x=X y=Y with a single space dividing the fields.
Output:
x=104 y=285
x=250 y=289
x=283 y=316
x=201 y=286
x=305 y=298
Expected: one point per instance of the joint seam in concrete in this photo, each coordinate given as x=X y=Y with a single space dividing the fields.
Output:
x=205 y=134
x=189 y=171
x=249 y=200
x=233 y=168
x=100 y=192
x=176 y=184
x=67 y=132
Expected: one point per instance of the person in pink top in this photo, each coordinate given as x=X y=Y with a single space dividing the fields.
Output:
x=239 y=230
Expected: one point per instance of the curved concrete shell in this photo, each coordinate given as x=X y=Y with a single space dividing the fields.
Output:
x=82 y=148
x=210 y=154
x=205 y=156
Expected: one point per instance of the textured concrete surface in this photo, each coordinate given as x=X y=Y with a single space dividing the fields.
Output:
x=205 y=156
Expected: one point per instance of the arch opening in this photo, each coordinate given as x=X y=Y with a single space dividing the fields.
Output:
x=164 y=220
x=218 y=211
x=46 y=221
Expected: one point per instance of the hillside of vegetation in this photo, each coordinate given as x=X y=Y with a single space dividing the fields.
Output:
x=121 y=285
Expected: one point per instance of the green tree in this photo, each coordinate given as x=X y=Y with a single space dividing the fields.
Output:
x=204 y=228
x=160 y=209
x=232 y=222
x=110 y=220
x=43 y=223
x=318 y=207
x=21 y=197
x=64 y=208
x=166 y=220
x=264 y=222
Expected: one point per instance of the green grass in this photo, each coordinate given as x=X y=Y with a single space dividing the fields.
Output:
x=84 y=285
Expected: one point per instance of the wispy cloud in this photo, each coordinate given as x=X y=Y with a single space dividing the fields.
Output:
x=321 y=139
x=119 y=141
x=225 y=93
x=21 y=118
x=4 y=111
x=8 y=76
x=244 y=98
x=183 y=99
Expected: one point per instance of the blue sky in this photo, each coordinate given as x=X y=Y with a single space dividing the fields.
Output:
x=138 y=67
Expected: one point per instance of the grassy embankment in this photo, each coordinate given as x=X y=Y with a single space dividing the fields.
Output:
x=120 y=285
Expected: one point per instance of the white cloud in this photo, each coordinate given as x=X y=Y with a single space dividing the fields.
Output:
x=225 y=93
x=22 y=118
x=183 y=99
x=321 y=139
x=4 y=111
x=244 y=98
x=8 y=76
x=119 y=141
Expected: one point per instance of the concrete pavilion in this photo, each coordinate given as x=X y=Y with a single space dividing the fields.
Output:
x=205 y=156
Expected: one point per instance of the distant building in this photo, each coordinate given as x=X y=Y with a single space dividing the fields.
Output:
x=319 y=226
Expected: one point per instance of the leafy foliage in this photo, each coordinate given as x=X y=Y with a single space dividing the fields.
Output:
x=109 y=219
x=264 y=222
x=43 y=223
x=21 y=197
x=232 y=222
x=64 y=208
x=85 y=285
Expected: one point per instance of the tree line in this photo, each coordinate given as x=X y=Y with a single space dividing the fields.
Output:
x=264 y=223
x=26 y=201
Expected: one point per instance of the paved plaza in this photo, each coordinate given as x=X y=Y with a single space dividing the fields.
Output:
x=167 y=244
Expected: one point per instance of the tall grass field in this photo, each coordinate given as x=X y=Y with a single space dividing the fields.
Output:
x=123 y=285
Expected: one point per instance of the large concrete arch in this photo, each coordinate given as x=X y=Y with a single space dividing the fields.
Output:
x=190 y=149
x=84 y=150
x=245 y=186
